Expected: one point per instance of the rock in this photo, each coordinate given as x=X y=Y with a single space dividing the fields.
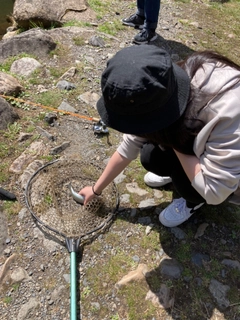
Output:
x=25 y=66
x=8 y=240
x=90 y=98
x=50 y=117
x=145 y=220
x=149 y=229
x=60 y=148
x=6 y=268
x=158 y=194
x=95 y=305
x=171 y=268
x=66 y=107
x=146 y=204
x=231 y=263
x=50 y=245
x=9 y=85
x=35 y=41
x=161 y=298
x=10 y=34
x=29 y=171
x=67 y=278
x=7 y=252
x=44 y=133
x=201 y=229
x=133 y=188
x=7 y=114
x=134 y=275
x=19 y=275
x=27 y=308
x=125 y=198
x=23 y=136
x=219 y=292
x=96 y=41
x=69 y=74
x=46 y=14
x=57 y=292
x=35 y=149
x=198 y=259
x=136 y=258
x=23 y=213
x=178 y=233
x=120 y=178
x=65 y=85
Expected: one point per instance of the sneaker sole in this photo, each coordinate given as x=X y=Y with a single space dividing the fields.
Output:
x=129 y=24
x=146 y=41
x=156 y=185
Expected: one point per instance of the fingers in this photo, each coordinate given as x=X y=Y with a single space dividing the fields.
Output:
x=87 y=193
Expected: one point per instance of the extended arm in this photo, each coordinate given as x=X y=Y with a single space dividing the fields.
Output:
x=114 y=167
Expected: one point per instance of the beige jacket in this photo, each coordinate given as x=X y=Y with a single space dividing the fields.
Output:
x=217 y=145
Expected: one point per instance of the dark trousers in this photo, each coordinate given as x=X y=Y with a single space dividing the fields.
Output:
x=166 y=164
x=149 y=9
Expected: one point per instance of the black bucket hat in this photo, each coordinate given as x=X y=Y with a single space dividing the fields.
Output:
x=143 y=91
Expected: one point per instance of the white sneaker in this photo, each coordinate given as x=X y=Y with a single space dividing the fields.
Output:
x=176 y=213
x=153 y=180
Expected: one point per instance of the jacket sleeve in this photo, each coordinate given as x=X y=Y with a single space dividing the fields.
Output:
x=130 y=146
x=220 y=156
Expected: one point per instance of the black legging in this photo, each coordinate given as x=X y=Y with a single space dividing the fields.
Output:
x=166 y=164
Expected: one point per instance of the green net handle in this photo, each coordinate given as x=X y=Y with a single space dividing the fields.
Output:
x=73 y=282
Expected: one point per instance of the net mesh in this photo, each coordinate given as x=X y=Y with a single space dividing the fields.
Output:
x=50 y=200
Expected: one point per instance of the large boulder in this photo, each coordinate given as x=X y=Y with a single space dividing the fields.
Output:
x=7 y=114
x=35 y=41
x=45 y=13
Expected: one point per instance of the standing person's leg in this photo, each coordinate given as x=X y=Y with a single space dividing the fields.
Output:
x=136 y=20
x=151 y=12
x=166 y=163
x=150 y=9
x=141 y=8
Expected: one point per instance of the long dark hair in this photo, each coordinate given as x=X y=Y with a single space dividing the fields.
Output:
x=181 y=134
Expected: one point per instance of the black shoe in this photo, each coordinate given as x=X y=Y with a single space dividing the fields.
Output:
x=145 y=36
x=134 y=20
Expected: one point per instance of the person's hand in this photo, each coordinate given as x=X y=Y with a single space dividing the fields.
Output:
x=87 y=193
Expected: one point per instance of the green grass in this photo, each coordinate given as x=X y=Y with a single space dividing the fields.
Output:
x=100 y=7
x=112 y=27
x=11 y=208
x=219 y=26
x=50 y=98
x=150 y=241
x=85 y=293
x=4 y=175
x=79 y=41
x=75 y=23
x=115 y=317
x=183 y=254
x=7 y=300
x=134 y=309
x=4 y=148
x=12 y=131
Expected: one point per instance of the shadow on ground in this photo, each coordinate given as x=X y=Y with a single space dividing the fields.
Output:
x=199 y=262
